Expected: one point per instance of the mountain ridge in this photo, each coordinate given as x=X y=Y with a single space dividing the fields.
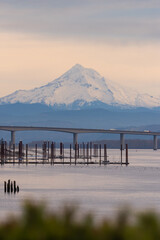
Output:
x=80 y=88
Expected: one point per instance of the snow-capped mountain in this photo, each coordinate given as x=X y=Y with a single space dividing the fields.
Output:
x=81 y=87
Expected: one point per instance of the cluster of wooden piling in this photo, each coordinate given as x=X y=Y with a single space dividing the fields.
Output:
x=84 y=153
x=10 y=187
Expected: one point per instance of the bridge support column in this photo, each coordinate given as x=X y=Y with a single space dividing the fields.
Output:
x=155 y=142
x=12 y=138
x=122 y=141
x=75 y=139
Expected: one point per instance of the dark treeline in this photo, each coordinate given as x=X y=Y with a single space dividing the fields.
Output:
x=114 y=144
x=132 y=143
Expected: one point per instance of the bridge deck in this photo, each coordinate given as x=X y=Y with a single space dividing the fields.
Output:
x=77 y=130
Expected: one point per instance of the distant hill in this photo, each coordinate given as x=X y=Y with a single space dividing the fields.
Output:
x=42 y=115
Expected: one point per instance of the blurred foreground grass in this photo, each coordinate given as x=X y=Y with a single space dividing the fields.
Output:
x=37 y=223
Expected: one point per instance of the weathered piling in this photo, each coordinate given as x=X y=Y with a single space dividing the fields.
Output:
x=48 y=153
x=121 y=154
x=75 y=153
x=63 y=152
x=44 y=150
x=90 y=146
x=17 y=189
x=9 y=148
x=52 y=153
x=100 y=154
x=61 y=149
x=54 y=150
x=5 y=186
x=10 y=187
x=20 y=151
x=5 y=150
x=78 y=150
x=94 y=150
x=70 y=155
x=84 y=151
x=105 y=153
x=2 y=149
x=48 y=147
x=14 y=147
x=14 y=186
x=26 y=153
x=126 y=154
x=36 y=152
x=87 y=153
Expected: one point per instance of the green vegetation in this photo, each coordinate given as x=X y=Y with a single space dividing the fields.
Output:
x=36 y=223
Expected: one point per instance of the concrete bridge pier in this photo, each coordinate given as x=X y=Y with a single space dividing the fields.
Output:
x=155 y=142
x=12 y=138
x=75 y=139
x=122 y=141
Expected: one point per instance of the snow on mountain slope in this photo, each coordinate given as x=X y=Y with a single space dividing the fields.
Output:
x=81 y=86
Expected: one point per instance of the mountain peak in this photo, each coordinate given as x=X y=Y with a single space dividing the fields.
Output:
x=81 y=87
x=77 y=69
x=78 y=66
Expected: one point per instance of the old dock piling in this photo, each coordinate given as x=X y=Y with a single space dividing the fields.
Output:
x=70 y=154
x=20 y=146
x=127 y=154
x=84 y=153
x=10 y=187
x=36 y=152
x=100 y=154
x=121 y=154
x=5 y=186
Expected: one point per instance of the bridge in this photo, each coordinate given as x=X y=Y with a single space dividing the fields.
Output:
x=76 y=131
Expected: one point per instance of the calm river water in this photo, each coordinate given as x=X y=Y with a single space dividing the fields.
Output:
x=100 y=189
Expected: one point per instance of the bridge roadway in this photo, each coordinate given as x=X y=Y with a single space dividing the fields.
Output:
x=76 y=131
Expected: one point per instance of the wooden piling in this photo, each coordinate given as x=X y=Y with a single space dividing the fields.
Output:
x=2 y=152
x=78 y=150
x=52 y=153
x=11 y=187
x=36 y=152
x=26 y=153
x=75 y=153
x=90 y=145
x=126 y=154
x=8 y=186
x=14 y=153
x=70 y=153
x=20 y=152
x=44 y=149
x=61 y=151
x=9 y=155
x=48 y=147
x=14 y=186
x=17 y=189
x=100 y=154
x=121 y=154
x=5 y=186
x=87 y=153
x=5 y=150
x=84 y=151
x=105 y=154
